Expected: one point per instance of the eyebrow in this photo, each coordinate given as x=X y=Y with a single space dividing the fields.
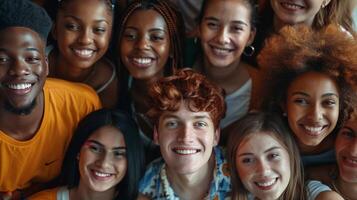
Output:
x=234 y=21
x=78 y=19
x=307 y=95
x=150 y=30
x=26 y=49
x=101 y=145
x=266 y=151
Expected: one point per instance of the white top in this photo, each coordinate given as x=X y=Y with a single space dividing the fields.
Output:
x=237 y=104
x=63 y=193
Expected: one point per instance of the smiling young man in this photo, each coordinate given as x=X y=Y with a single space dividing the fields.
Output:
x=187 y=109
x=37 y=116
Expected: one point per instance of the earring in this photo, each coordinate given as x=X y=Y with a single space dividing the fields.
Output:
x=249 y=51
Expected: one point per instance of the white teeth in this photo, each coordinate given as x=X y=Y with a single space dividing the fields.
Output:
x=101 y=174
x=84 y=52
x=20 y=86
x=142 y=60
x=266 y=184
x=313 y=129
x=185 y=151
x=353 y=161
x=291 y=6
x=220 y=51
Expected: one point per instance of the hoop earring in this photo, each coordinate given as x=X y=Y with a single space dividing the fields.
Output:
x=249 y=50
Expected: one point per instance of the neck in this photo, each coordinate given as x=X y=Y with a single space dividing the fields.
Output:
x=346 y=190
x=82 y=192
x=195 y=185
x=24 y=127
x=60 y=68
x=325 y=145
x=229 y=78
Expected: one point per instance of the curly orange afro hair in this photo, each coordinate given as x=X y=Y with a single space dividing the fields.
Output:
x=297 y=50
x=190 y=87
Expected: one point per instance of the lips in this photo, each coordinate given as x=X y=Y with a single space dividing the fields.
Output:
x=313 y=130
x=19 y=88
x=142 y=62
x=185 y=151
x=221 y=52
x=266 y=184
x=291 y=6
x=101 y=176
x=84 y=52
x=350 y=162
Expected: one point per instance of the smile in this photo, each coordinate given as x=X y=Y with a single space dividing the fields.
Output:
x=142 y=61
x=350 y=162
x=291 y=6
x=266 y=185
x=20 y=86
x=84 y=53
x=313 y=130
x=101 y=175
x=182 y=151
x=221 y=51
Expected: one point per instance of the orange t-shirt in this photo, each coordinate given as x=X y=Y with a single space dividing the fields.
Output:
x=39 y=160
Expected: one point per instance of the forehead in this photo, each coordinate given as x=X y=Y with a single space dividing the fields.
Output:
x=19 y=38
x=258 y=143
x=96 y=9
x=184 y=113
x=314 y=82
x=228 y=9
x=146 y=19
x=108 y=136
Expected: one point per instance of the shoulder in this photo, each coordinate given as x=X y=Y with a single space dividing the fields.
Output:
x=151 y=177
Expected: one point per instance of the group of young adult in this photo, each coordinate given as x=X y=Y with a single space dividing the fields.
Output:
x=267 y=110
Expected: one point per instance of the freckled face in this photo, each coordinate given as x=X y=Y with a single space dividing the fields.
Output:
x=263 y=166
x=312 y=107
x=145 y=44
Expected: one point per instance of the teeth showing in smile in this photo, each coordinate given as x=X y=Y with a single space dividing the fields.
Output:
x=291 y=6
x=314 y=129
x=101 y=174
x=185 y=151
x=20 y=86
x=84 y=52
x=220 y=51
x=142 y=61
x=352 y=161
x=266 y=184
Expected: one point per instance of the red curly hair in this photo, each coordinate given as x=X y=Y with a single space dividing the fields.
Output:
x=297 y=50
x=193 y=88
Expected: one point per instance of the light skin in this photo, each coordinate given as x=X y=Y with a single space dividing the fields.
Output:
x=263 y=165
x=346 y=155
x=186 y=142
x=224 y=32
x=23 y=71
x=312 y=109
x=296 y=12
x=102 y=164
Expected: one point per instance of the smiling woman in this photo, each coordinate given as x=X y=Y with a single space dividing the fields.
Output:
x=104 y=160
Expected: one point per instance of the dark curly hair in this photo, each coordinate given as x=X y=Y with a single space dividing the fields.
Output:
x=187 y=85
x=295 y=51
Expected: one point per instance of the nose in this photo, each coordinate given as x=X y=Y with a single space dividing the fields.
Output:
x=263 y=167
x=104 y=160
x=316 y=113
x=353 y=148
x=185 y=134
x=223 y=36
x=19 y=68
x=142 y=43
x=85 y=37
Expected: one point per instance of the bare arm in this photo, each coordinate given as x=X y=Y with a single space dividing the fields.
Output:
x=329 y=195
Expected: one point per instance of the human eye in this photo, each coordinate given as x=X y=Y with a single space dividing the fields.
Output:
x=4 y=59
x=72 y=26
x=119 y=153
x=348 y=133
x=100 y=30
x=157 y=37
x=274 y=156
x=212 y=25
x=247 y=160
x=130 y=36
x=33 y=59
x=237 y=28
x=200 y=124
x=95 y=148
x=300 y=101
x=329 y=102
x=171 y=124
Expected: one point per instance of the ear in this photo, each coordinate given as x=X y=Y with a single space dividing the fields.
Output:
x=156 y=136
x=325 y=3
x=216 y=136
x=252 y=36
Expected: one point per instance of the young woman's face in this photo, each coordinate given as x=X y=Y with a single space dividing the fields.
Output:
x=225 y=31
x=83 y=29
x=346 y=151
x=312 y=107
x=263 y=165
x=102 y=159
x=292 y=12
x=145 y=44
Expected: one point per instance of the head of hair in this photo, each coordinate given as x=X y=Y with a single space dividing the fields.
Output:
x=128 y=187
x=251 y=4
x=298 y=50
x=174 y=24
x=24 y=13
x=265 y=123
x=190 y=87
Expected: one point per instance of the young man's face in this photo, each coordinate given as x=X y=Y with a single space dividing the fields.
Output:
x=23 y=69
x=186 y=139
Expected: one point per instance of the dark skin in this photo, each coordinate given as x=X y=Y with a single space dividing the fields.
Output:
x=22 y=62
